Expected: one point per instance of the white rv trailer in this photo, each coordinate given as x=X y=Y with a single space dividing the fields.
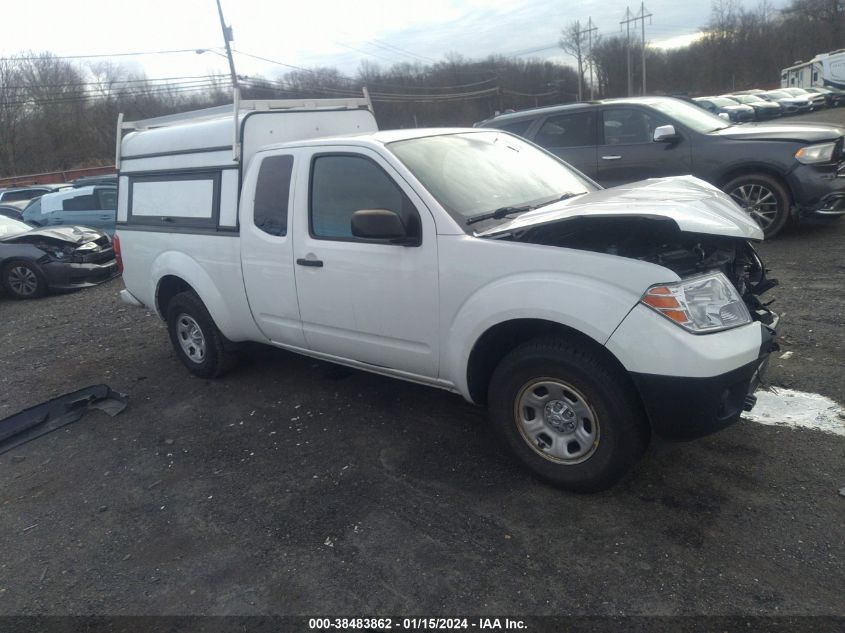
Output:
x=825 y=70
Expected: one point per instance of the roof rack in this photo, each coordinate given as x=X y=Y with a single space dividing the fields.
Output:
x=248 y=106
x=234 y=111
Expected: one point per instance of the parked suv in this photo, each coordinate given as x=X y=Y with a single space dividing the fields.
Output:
x=90 y=206
x=773 y=171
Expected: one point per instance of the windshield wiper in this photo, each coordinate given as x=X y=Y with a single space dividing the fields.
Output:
x=563 y=196
x=498 y=214
x=501 y=212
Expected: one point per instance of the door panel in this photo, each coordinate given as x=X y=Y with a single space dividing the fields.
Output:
x=267 y=251
x=628 y=153
x=365 y=300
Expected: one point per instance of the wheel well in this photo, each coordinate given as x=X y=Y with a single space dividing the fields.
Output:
x=747 y=171
x=168 y=287
x=498 y=341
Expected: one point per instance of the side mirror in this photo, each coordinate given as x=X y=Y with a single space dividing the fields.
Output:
x=378 y=224
x=665 y=134
x=725 y=116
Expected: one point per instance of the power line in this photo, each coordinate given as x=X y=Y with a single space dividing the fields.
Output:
x=111 y=82
x=132 y=54
x=81 y=98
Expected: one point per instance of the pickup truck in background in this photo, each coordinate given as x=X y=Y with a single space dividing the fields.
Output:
x=585 y=319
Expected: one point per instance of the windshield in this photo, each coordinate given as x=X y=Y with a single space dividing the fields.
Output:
x=690 y=115
x=9 y=227
x=476 y=173
x=777 y=94
x=722 y=101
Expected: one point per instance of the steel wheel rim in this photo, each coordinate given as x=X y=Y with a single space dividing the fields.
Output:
x=23 y=281
x=759 y=202
x=556 y=421
x=191 y=338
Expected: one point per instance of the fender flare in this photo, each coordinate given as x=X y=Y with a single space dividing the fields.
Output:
x=178 y=264
x=600 y=308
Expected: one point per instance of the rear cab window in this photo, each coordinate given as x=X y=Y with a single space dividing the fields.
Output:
x=272 y=193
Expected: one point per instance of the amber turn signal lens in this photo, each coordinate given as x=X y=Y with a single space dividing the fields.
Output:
x=661 y=302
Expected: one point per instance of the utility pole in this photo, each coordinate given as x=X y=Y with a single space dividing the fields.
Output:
x=629 y=17
x=236 y=89
x=642 y=18
x=627 y=21
x=578 y=33
x=589 y=31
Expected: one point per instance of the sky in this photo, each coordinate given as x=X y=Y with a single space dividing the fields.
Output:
x=337 y=33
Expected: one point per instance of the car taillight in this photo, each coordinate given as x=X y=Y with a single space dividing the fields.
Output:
x=118 y=257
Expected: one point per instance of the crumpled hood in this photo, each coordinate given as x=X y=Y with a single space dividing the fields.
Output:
x=694 y=205
x=68 y=234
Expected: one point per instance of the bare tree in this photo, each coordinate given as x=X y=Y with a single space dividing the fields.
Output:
x=573 y=41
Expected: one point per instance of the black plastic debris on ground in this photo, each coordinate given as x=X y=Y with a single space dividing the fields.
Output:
x=48 y=416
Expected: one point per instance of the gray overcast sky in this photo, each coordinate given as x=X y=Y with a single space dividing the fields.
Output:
x=338 y=33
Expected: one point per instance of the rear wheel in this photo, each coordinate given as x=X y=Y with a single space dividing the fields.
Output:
x=763 y=198
x=567 y=414
x=195 y=338
x=23 y=280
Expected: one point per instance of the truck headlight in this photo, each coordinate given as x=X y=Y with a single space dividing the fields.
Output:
x=821 y=153
x=708 y=303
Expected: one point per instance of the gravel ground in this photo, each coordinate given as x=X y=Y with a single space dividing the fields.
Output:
x=293 y=487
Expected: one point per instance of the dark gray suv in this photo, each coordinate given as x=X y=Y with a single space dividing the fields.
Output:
x=775 y=171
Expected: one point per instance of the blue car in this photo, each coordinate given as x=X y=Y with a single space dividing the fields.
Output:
x=92 y=206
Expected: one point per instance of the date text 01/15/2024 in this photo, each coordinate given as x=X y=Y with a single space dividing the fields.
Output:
x=419 y=624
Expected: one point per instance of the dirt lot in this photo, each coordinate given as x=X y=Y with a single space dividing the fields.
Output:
x=291 y=487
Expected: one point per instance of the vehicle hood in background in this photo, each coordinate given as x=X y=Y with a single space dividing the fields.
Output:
x=799 y=133
x=64 y=234
x=694 y=205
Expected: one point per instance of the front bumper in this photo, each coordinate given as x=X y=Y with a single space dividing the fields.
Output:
x=692 y=384
x=683 y=408
x=818 y=191
x=71 y=275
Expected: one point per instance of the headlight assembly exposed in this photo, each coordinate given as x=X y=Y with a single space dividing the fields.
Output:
x=812 y=154
x=703 y=304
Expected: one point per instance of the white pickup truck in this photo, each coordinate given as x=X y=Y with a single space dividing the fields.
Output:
x=584 y=318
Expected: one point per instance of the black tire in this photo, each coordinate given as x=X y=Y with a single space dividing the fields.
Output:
x=215 y=359
x=751 y=185
x=620 y=426
x=18 y=277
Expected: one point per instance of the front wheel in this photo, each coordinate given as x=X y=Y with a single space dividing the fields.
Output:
x=567 y=414
x=763 y=198
x=195 y=338
x=23 y=280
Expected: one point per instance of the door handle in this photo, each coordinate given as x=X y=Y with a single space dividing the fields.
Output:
x=611 y=157
x=316 y=263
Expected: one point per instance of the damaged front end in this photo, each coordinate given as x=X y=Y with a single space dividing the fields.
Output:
x=660 y=241
x=70 y=257
x=682 y=405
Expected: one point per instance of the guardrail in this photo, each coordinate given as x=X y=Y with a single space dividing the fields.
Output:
x=51 y=177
